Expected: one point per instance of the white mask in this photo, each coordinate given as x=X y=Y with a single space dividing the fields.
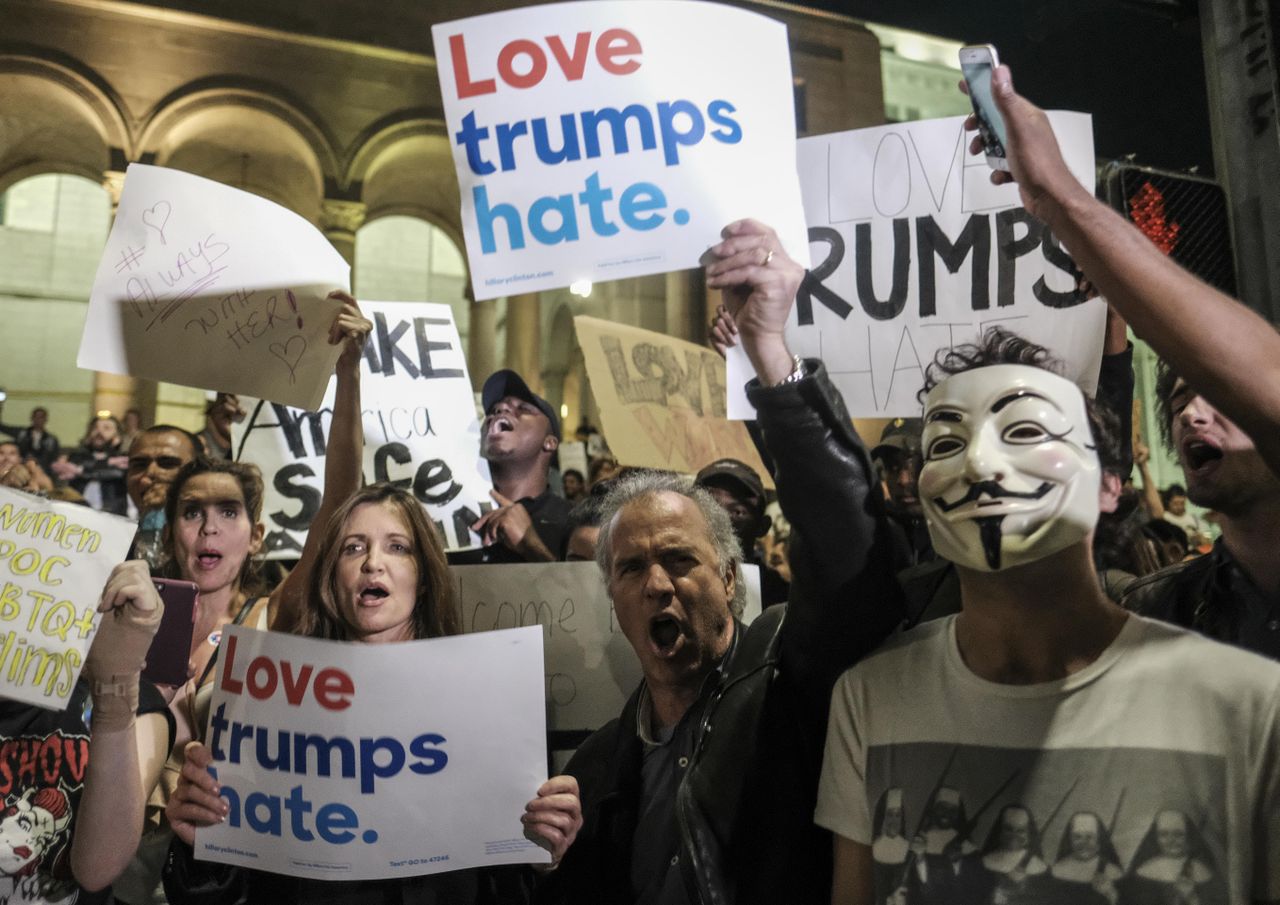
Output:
x=1011 y=472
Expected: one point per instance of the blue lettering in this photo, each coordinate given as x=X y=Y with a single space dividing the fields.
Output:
x=252 y=811
x=568 y=229
x=507 y=135
x=542 y=143
x=297 y=806
x=470 y=137
x=731 y=132
x=671 y=137
x=593 y=198
x=369 y=767
x=334 y=817
x=484 y=221
x=436 y=759
x=639 y=198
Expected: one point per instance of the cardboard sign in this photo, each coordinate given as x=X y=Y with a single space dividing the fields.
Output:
x=420 y=431
x=350 y=761
x=54 y=562
x=591 y=668
x=914 y=251
x=609 y=139
x=211 y=287
x=661 y=399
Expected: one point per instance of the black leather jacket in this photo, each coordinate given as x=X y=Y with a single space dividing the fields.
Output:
x=745 y=805
x=1205 y=594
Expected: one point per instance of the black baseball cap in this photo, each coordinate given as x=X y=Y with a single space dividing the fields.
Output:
x=736 y=472
x=900 y=435
x=506 y=382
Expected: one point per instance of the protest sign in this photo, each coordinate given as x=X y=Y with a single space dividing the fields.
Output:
x=54 y=562
x=211 y=287
x=591 y=669
x=915 y=251
x=609 y=139
x=662 y=399
x=351 y=761
x=420 y=431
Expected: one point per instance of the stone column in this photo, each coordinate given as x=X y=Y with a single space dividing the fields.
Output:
x=482 y=351
x=687 y=312
x=524 y=338
x=339 y=219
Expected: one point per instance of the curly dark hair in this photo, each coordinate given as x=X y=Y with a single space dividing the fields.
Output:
x=999 y=346
x=1166 y=378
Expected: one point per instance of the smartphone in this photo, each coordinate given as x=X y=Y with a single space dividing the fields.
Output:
x=170 y=652
x=977 y=63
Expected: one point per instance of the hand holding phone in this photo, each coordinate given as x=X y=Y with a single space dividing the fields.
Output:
x=170 y=654
x=977 y=63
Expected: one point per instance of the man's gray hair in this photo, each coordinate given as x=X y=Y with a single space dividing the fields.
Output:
x=651 y=482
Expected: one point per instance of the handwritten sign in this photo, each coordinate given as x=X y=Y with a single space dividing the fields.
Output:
x=591 y=669
x=369 y=761
x=609 y=139
x=662 y=399
x=208 y=286
x=420 y=430
x=54 y=561
x=916 y=251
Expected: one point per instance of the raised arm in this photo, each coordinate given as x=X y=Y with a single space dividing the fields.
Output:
x=126 y=752
x=844 y=594
x=344 y=452
x=1222 y=348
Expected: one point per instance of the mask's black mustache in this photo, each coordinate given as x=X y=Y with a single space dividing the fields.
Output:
x=993 y=490
x=991 y=535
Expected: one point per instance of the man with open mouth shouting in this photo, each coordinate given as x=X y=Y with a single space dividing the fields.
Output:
x=1233 y=593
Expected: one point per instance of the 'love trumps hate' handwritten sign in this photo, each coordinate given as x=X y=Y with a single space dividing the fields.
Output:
x=602 y=140
x=212 y=287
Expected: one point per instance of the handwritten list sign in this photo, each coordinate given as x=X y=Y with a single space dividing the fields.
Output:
x=54 y=561
x=211 y=287
x=914 y=250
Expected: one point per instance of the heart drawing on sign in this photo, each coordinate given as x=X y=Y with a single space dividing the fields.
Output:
x=157 y=216
x=285 y=352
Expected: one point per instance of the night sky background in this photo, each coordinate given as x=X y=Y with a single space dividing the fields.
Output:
x=1139 y=71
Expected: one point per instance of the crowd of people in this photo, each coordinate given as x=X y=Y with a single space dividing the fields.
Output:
x=999 y=672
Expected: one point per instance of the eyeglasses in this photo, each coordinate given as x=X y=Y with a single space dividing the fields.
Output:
x=142 y=463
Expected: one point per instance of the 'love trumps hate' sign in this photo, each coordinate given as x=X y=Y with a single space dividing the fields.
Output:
x=605 y=140
x=332 y=770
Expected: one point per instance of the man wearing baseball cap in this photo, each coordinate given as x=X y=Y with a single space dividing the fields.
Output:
x=897 y=455
x=518 y=438
x=740 y=492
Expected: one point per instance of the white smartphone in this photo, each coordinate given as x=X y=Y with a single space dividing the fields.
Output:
x=977 y=63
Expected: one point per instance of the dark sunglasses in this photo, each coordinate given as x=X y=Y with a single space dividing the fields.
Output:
x=142 y=463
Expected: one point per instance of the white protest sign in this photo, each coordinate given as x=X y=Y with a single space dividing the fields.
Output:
x=916 y=251
x=54 y=562
x=420 y=428
x=350 y=761
x=591 y=669
x=211 y=287
x=609 y=139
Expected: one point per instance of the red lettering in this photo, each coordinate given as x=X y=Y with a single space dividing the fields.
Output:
x=295 y=687
x=50 y=758
x=537 y=63
x=77 y=754
x=334 y=689
x=229 y=682
x=261 y=666
x=462 y=72
x=27 y=763
x=616 y=52
x=7 y=753
x=614 y=43
x=572 y=66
